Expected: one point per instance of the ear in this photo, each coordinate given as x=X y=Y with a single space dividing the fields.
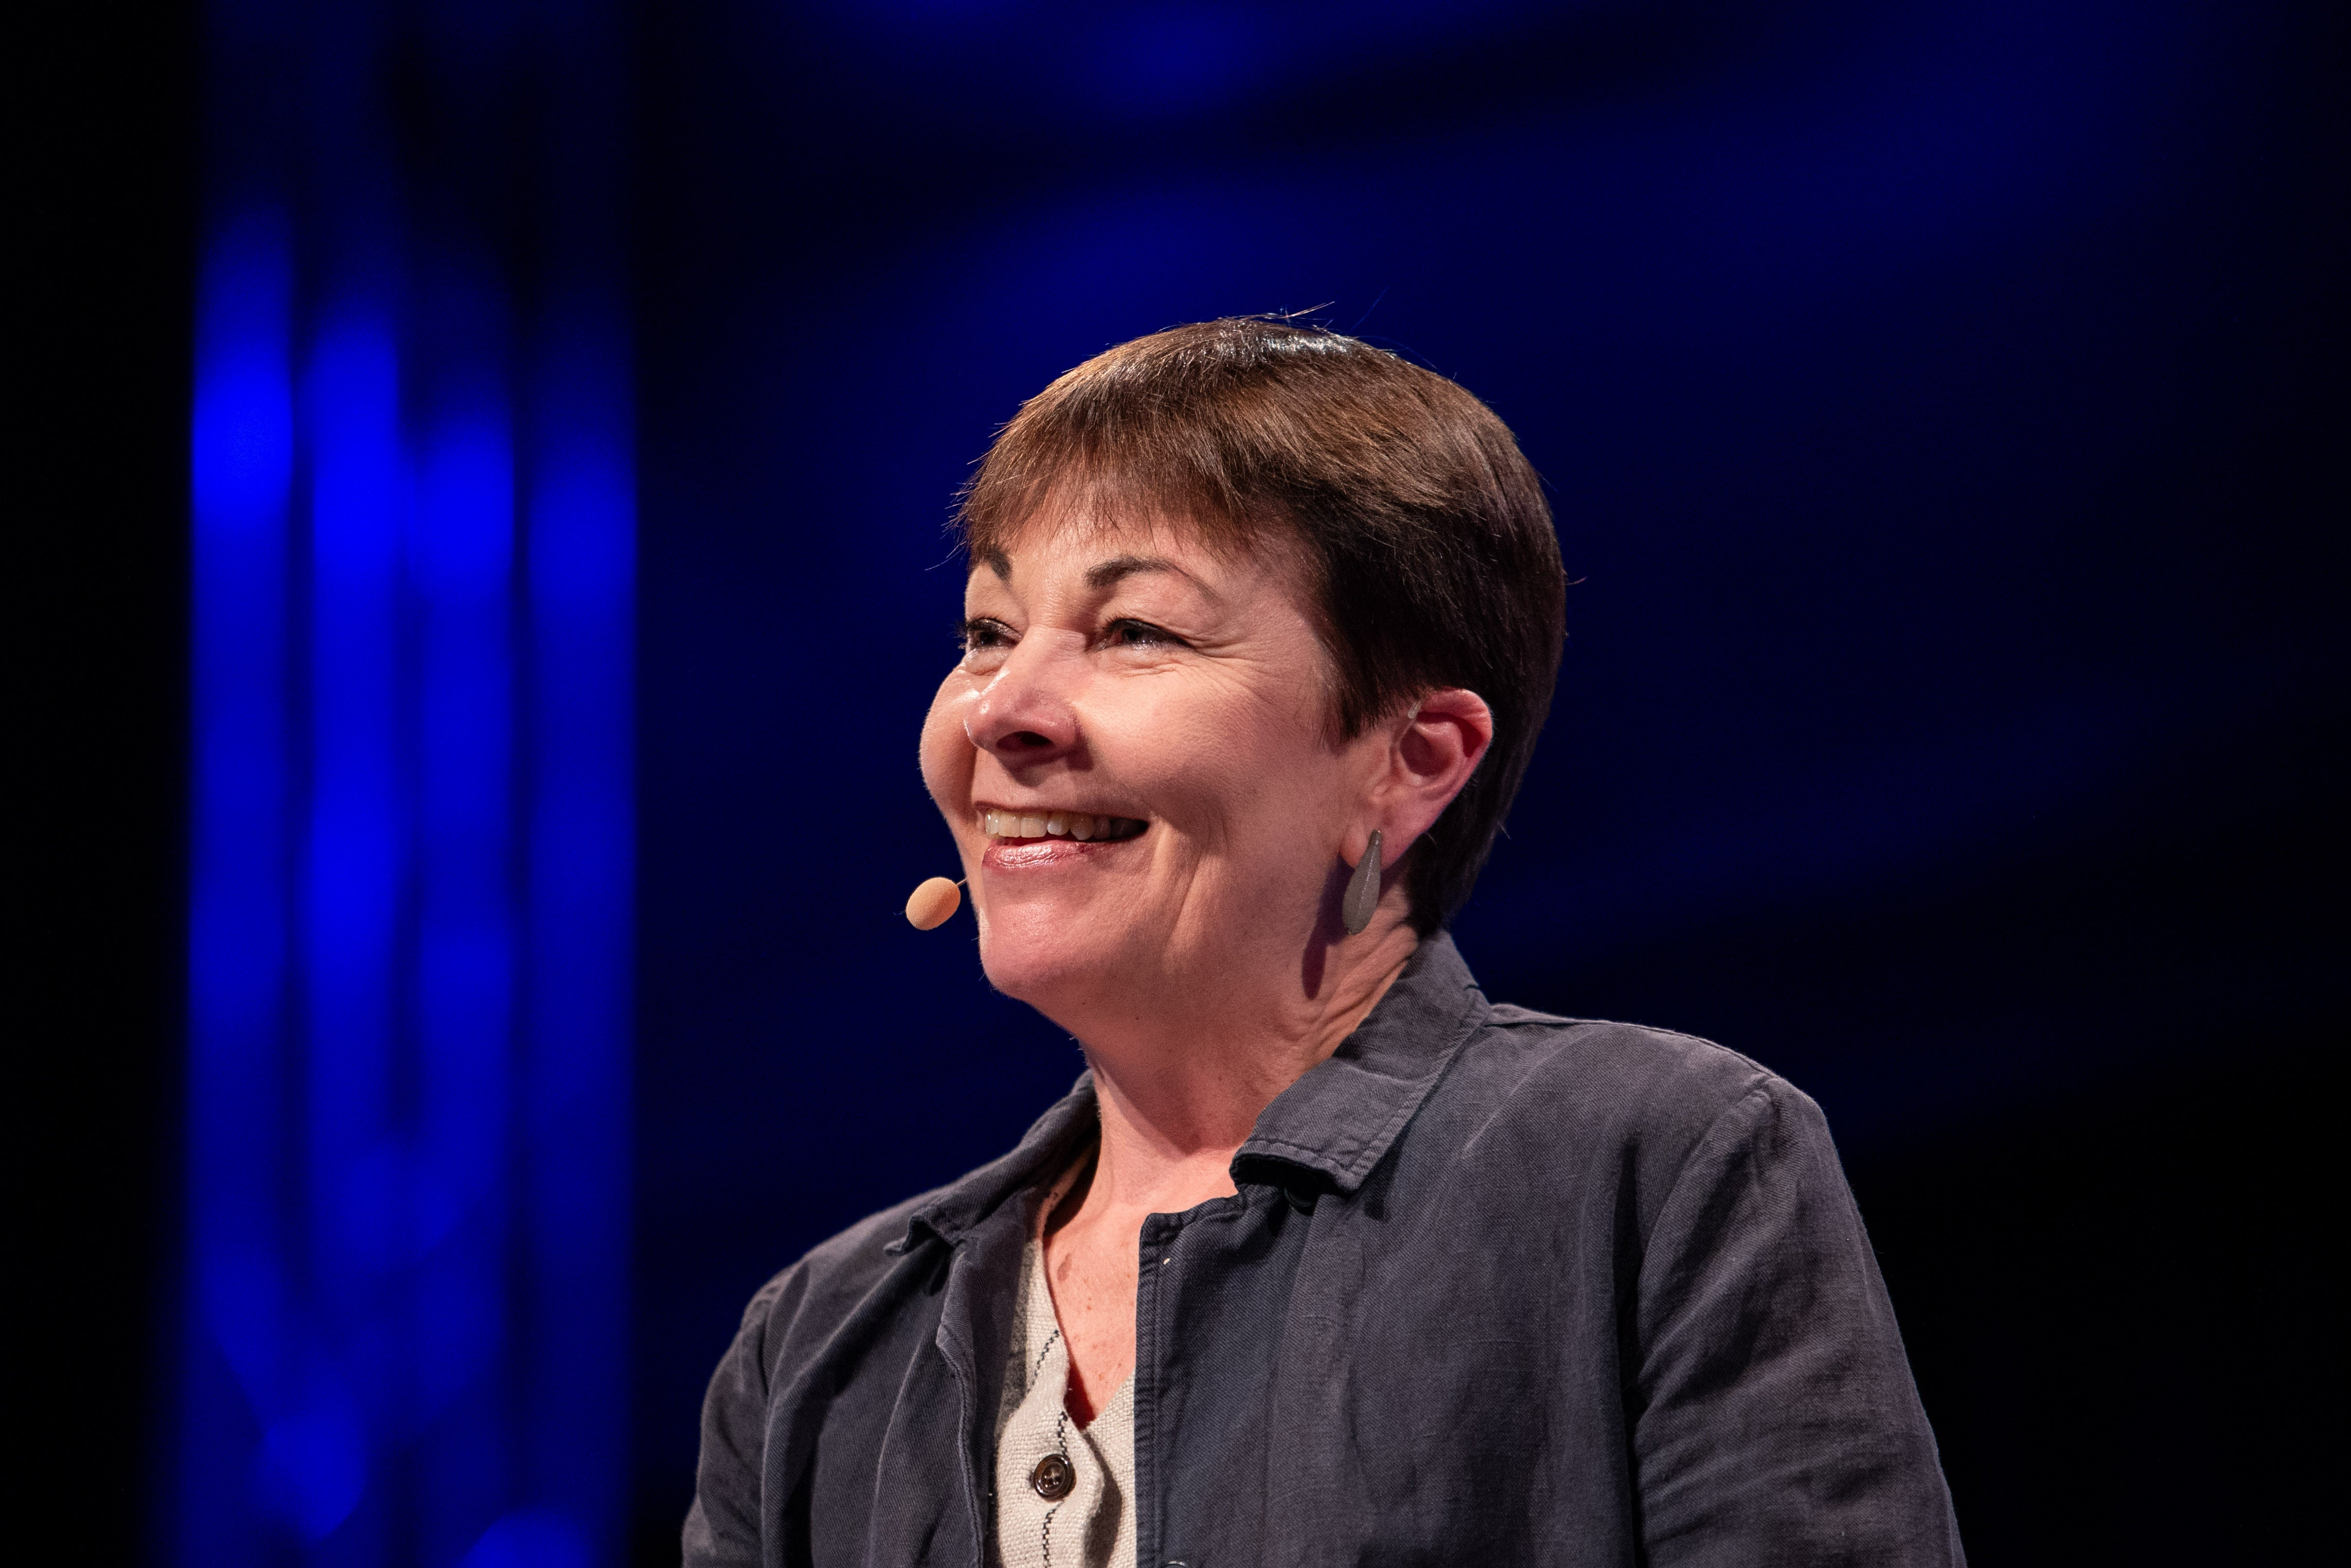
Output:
x=1432 y=748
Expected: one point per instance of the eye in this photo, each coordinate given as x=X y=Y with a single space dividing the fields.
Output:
x=984 y=640
x=1132 y=634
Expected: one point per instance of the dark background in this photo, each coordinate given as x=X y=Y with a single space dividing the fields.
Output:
x=1941 y=404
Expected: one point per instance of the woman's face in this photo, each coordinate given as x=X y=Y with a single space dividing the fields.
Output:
x=1134 y=754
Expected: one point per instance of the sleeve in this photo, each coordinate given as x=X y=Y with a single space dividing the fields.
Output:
x=1774 y=1418
x=722 y=1528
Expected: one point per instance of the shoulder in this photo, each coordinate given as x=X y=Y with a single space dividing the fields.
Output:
x=1620 y=1071
x=879 y=1264
x=1565 y=1097
x=800 y=1308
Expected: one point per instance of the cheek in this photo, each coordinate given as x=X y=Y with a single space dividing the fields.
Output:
x=1237 y=767
x=947 y=751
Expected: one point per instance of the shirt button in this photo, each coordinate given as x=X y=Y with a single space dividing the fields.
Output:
x=1052 y=1477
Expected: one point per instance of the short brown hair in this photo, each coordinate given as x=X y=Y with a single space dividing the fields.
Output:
x=1424 y=529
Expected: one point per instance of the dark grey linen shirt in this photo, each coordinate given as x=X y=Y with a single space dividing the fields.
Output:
x=1498 y=1288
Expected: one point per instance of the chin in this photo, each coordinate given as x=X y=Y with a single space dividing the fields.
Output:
x=1034 y=955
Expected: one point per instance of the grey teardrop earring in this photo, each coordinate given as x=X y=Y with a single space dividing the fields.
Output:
x=1362 y=889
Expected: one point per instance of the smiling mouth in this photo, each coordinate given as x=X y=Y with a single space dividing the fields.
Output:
x=1082 y=826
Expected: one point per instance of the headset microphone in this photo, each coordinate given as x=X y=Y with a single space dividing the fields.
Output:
x=933 y=903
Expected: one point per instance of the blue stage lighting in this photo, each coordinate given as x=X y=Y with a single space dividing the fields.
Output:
x=404 y=1334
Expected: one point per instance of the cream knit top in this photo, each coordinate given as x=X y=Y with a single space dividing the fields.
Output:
x=1064 y=1494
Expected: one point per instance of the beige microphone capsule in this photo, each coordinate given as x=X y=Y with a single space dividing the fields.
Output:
x=931 y=904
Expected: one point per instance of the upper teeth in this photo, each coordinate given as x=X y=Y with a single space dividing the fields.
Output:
x=1056 y=825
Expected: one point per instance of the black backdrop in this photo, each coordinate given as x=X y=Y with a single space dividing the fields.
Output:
x=1941 y=406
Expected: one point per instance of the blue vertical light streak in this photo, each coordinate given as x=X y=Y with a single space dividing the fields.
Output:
x=237 y=1332
x=411 y=872
x=581 y=605
x=461 y=556
x=351 y=873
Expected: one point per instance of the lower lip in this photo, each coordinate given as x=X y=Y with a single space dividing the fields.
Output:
x=1037 y=854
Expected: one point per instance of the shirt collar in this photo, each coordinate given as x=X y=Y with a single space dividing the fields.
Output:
x=951 y=1211
x=1336 y=1121
x=1342 y=1116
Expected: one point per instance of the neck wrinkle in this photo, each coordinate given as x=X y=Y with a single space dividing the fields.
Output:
x=1172 y=1121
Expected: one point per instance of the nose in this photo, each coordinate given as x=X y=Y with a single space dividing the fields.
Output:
x=1024 y=716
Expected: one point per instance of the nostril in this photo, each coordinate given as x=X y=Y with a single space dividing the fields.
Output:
x=1027 y=737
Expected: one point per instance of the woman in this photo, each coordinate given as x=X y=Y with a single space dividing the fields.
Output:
x=1326 y=1258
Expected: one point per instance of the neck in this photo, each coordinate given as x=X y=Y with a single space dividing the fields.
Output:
x=1180 y=1087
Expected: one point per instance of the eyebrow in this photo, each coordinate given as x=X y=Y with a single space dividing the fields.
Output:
x=1103 y=574
x=1118 y=569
